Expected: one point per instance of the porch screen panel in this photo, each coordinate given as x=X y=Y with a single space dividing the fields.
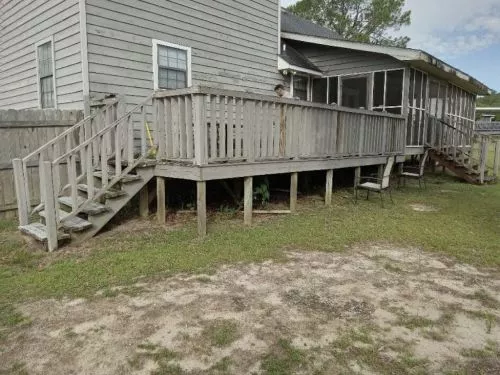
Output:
x=320 y=90
x=417 y=118
x=388 y=91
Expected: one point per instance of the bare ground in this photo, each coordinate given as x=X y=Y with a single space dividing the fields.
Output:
x=373 y=309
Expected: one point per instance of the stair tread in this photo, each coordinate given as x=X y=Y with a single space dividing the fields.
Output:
x=74 y=223
x=39 y=232
x=93 y=208
x=124 y=179
x=111 y=193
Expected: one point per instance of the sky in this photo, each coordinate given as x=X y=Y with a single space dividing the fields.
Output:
x=463 y=33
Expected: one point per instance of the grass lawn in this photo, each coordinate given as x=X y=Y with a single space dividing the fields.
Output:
x=465 y=225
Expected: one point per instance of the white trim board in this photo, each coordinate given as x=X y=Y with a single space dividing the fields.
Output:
x=157 y=43
x=283 y=65
x=84 y=48
x=50 y=40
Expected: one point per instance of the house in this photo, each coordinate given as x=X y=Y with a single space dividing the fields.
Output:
x=194 y=80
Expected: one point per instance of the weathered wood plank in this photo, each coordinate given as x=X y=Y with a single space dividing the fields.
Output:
x=248 y=200
x=201 y=207
x=160 y=199
x=294 y=181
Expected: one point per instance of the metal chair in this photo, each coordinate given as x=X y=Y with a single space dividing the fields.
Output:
x=376 y=184
x=416 y=173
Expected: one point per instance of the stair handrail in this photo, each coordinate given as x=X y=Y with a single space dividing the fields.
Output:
x=115 y=143
x=74 y=134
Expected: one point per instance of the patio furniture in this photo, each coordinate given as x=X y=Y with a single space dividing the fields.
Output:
x=416 y=173
x=376 y=184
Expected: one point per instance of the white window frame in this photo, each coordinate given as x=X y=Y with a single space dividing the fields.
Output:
x=39 y=88
x=156 y=68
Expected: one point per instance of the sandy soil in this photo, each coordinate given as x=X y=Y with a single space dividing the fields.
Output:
x=359 y=312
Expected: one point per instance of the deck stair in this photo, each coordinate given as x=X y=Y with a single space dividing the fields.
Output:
x=462 y=151
x=87 y=175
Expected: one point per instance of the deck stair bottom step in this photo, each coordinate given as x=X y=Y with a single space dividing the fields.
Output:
x=110 y=194
x=39 y=232
x=93 y=208
x=72 y=224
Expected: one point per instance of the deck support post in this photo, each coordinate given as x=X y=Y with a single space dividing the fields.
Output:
x=294 y=182
x=496 y=164
x=357 y=178
x=329 y=187
x=248 y=201
x=201 y=207
x=144 y=202
x=160 y=200
x=380 y=173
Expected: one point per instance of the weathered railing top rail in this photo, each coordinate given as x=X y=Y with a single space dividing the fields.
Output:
x=203 y=90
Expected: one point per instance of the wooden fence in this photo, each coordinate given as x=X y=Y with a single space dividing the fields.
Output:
x=204 y=125
x=22 y=131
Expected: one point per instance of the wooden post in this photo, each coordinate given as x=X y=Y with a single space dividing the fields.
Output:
x=144 y=202
x=248 y=201
x=282 y=141
x=200 y=131
x=329 y=187
x=294 y=181
x=357 y=177
x=50 y=207
x=380 y=173
x=484 y=159
x=160 y=200
x=201 y=206
x=496 y=164
x=21 y=193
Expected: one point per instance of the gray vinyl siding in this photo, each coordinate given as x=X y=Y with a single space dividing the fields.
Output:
x=234 y=44
x=24 y=23
x=339 y=61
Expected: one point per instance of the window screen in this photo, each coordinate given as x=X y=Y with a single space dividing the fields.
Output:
x=46 y=75
x=172 y=68
x=300 y=87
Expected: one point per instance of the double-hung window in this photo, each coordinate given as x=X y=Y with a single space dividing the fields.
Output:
x=171 y=65
x=45 y=66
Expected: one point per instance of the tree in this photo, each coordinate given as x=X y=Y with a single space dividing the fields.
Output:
x=358 y=20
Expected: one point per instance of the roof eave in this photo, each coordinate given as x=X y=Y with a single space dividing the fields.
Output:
x=419 y=58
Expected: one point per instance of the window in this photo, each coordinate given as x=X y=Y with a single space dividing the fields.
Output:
x=46 y=78
x=300 y=86
x=171 y=66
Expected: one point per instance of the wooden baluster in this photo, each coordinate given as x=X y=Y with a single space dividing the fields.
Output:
x=237 y=128
x=362 y=134
x=230 y=126
x=130 y=140
x=104 y=161
x=213 y=127
x=143 y=131
x=161 y=134
x=72 y=176
x=249 y=122
x=90 y=171
x=168 y=124
x=484 y=158
x=189 y=127
x=222 y=128
x=174 y=118
x=181 y=105
x=118 y=150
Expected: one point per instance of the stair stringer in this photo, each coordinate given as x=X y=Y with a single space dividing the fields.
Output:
x=114 y=205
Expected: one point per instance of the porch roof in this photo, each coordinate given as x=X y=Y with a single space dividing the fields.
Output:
x=416 y=58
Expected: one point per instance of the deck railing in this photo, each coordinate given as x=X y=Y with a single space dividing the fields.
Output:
x=203 y=125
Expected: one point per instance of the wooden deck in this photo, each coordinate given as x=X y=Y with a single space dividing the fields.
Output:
x=207 y=134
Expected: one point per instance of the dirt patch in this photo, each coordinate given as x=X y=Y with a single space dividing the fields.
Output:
x=423 y=208
x=376 y=309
